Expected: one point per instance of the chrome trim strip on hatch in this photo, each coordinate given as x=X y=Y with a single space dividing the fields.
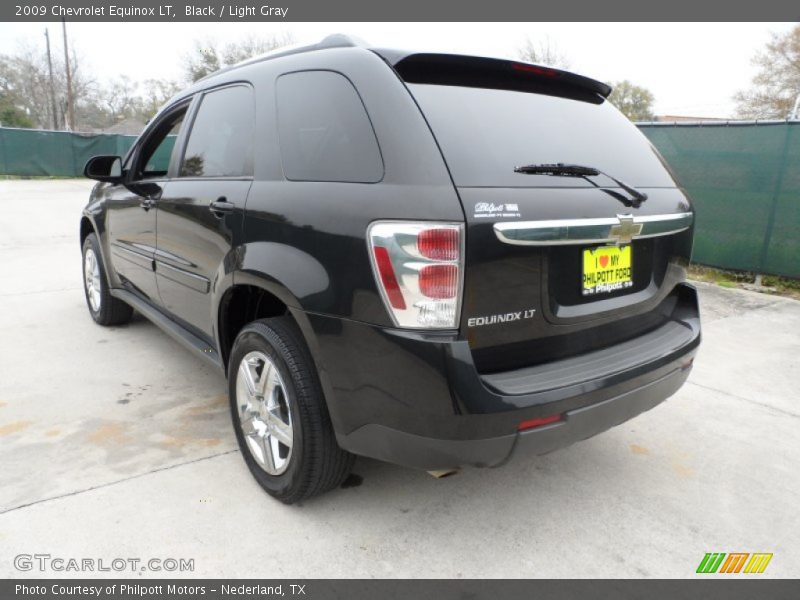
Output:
x=619 y=230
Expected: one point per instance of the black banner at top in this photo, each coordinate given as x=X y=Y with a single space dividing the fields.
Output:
x=405 y=10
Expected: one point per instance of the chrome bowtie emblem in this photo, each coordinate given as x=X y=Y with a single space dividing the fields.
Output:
x=624 y=231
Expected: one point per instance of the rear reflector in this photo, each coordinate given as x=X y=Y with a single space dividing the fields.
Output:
x=386 y=272
x=538 y=422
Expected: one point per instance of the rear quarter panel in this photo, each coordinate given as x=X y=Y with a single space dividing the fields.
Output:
x=310 y=237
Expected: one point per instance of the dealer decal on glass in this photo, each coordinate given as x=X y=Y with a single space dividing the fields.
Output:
x=607 y=269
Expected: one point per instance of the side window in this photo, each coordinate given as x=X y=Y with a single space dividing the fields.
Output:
x=221 y=140
x=324 y=131
x=154 y=157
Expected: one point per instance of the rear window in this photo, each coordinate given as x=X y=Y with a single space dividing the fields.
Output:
x=325 y=133
x=485 y=133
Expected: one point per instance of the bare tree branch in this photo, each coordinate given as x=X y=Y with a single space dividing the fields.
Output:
x=777 y=84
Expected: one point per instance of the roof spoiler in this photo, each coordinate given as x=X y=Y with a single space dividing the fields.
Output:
x=494 y=73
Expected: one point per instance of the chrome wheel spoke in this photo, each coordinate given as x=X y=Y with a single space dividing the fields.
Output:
x=268 y=384
x=281 y=431
x=247 y=375
x=269 y=455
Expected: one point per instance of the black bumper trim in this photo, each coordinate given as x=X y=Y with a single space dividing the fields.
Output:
x=663 y=341
x=407 y=449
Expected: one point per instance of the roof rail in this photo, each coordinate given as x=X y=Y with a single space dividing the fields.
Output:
x=335 y=40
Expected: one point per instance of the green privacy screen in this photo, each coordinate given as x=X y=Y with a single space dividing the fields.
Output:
x=54 y=153
x=745 y=183
x=744 y=180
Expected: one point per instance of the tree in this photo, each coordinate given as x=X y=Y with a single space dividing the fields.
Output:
x=157 y=93
x=119 y=98
x=11 y=112
x=633 y=101
x=776 y=86
x=543 y=52
x=11 y=115
x=25 y=88
x=207 y=56
x=25 y=77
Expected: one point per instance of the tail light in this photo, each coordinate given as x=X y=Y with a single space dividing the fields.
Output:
x=419 y=270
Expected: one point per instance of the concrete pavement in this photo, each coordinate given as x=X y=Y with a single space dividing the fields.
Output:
x=116 y=443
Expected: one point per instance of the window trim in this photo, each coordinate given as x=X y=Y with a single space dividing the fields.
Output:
x=136 y=150
x=196 y=104
x=366 y=112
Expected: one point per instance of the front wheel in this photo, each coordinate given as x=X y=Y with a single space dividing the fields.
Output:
x=104 y=308
x=279 y=413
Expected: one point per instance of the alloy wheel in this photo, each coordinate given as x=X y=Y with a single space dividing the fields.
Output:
x=91 y=279
x=264 y=413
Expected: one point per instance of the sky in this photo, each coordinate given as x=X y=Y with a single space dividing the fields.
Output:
x=693 y=69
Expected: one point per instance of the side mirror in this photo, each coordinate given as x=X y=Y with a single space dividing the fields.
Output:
x=104 y=168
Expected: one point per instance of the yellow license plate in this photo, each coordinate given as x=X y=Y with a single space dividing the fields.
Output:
x=607 y=269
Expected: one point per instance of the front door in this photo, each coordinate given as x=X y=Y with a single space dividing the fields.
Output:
x=133 y=207
x=201 y=210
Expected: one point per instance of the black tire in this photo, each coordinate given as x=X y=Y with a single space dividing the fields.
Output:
x=317 y=463
x=111 y=311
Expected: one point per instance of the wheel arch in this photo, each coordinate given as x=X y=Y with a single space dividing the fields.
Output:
x=254 y=296
x=251 y=297
x=86 y=227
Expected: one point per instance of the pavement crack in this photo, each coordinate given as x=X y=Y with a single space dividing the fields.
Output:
x=750 y=400
x=123 y=480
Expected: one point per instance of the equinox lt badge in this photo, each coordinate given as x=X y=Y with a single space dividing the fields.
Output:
x=504 y=318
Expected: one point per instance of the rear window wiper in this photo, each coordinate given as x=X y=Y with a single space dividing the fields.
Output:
x=566 y=170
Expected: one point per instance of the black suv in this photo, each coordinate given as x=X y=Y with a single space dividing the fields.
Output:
x=429 y=259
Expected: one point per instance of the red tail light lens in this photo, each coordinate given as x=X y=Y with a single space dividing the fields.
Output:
x=388 y=278
x=438 y=244
x=538 y=422
x=439 y=281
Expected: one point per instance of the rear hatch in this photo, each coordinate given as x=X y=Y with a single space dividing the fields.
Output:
x=557 y=264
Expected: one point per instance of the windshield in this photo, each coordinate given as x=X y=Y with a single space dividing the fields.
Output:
x=485 y=133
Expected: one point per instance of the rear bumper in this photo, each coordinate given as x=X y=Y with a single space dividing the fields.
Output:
x=399 y=447
x=417 y=400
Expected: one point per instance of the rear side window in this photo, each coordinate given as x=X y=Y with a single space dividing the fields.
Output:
x=221 y=140
x=485 y=133
x=325 y=133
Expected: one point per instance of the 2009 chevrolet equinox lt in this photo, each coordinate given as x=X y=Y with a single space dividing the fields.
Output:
x=429 y=259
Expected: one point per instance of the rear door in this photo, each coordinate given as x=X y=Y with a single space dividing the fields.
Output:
x=201 y=209
x=556 y=265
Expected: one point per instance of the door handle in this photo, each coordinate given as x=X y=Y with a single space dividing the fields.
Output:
x=147 y=203
x=221 y=206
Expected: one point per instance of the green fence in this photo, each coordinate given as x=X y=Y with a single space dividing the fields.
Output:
x=743 y=178
x=745 y=183
x=54 y=153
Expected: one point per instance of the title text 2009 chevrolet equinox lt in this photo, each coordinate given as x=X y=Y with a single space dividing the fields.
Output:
x=429 y=259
